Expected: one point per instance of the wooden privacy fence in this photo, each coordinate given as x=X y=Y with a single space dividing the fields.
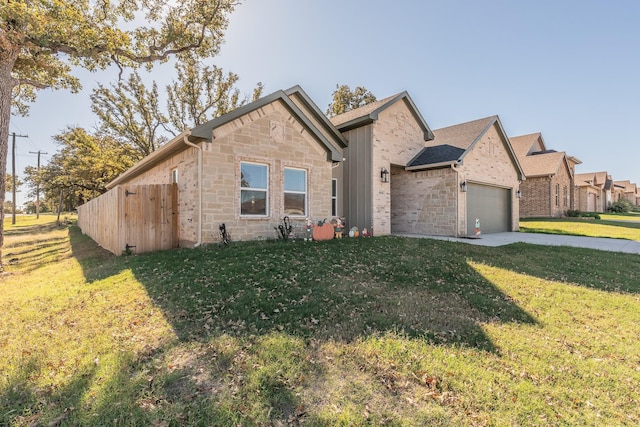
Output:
x=141 y=218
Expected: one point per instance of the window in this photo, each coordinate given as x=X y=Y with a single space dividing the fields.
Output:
x=557 y=194
x=254 y=180
x=565 y=196
x=334 y=197
x=295 y=192
x=174 y=176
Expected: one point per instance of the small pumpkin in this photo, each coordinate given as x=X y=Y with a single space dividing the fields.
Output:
x=323 y=231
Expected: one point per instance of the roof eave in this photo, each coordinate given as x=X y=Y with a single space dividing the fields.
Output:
x=147 y=162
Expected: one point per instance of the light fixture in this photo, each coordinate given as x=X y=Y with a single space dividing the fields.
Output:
x=463 y=186
x=518 y=194
x=384 y=175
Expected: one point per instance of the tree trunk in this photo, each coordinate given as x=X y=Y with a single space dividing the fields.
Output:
x=7 y=83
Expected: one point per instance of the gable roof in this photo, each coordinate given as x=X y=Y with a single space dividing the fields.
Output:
x=205 y=130
x=331 y=139
x=462 y=137
x=370 y=112
x=522 y=144
x=543 y=164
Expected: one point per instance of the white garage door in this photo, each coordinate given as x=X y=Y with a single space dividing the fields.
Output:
x=492 y=205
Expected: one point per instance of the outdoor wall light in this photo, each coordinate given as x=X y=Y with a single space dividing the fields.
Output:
x=518 y=194
x=384 y=175
x=463 y=186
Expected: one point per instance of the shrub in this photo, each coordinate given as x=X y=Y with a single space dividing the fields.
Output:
x=577 y=214
x=621 y=206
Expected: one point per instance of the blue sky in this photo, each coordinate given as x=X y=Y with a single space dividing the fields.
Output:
x=568 y=69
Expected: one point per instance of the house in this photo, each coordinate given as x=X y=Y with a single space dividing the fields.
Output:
x=548 y=190
x=594 y=191
x=401 y=177
x=627 y=191
x=380 y=166
x=246 y=169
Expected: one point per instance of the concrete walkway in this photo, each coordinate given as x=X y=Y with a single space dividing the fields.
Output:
x=500 y=239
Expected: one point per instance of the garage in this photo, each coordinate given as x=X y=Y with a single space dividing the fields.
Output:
x=492 y=205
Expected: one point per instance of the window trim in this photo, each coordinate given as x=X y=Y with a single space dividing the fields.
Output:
x=265 y=190
x=305 y=192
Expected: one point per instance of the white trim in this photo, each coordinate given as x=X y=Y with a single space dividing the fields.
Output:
x=265 y=190
x=305 y=192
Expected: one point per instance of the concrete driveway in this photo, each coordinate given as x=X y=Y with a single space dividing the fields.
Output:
x=500 y=239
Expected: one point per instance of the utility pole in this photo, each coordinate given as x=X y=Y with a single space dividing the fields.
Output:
x=38 y=184
x=13 y=172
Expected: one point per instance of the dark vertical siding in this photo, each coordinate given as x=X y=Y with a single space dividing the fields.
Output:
x=357 y=197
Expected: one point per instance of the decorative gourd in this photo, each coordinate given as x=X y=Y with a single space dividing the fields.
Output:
x=323 y=231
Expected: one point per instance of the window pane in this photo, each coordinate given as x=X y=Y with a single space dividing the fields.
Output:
x=295 y=180
x=253 y=202
x=294 y=204
x=253 y=176
x=334 y=188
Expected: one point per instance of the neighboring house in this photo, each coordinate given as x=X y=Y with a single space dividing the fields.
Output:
x=247 y=169
x=548 y=190
x=627 y=191
x=594 y=191
x=400 y=177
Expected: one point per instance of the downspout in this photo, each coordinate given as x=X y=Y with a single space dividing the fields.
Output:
x=197 y=147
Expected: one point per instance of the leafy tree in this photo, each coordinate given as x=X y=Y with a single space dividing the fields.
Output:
x=9 y=181
x=201 y=93
x=40 y=41
x=345 y=99
x=83 y=166
x=130 y=112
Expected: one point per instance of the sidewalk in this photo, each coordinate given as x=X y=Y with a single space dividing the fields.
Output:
x=500 y=239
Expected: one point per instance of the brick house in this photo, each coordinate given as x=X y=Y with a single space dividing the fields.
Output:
x=401 y=177
x=627 y=191
x=247 y=169
x=548 y=190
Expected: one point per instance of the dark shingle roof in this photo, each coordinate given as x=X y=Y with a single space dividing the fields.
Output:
x=437 y=154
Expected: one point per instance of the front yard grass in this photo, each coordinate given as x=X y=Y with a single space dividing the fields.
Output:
x=386 y=330
x=610 y=225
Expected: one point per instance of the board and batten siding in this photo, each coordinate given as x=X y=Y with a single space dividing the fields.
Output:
x=356 y=202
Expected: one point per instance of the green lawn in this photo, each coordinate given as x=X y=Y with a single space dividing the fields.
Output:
x=614 y=226
x=387 y=330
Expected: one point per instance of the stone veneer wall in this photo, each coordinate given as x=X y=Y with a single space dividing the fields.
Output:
x=270 y=136
x=397 y=138
x=424 y=202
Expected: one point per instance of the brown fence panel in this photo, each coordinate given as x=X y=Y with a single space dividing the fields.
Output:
x=143 y=218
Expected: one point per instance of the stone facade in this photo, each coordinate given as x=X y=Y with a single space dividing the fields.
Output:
x=271 y=136
x=396 y=139
x=424 y=202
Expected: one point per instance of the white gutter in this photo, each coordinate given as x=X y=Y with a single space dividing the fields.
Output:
x=197 y=147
